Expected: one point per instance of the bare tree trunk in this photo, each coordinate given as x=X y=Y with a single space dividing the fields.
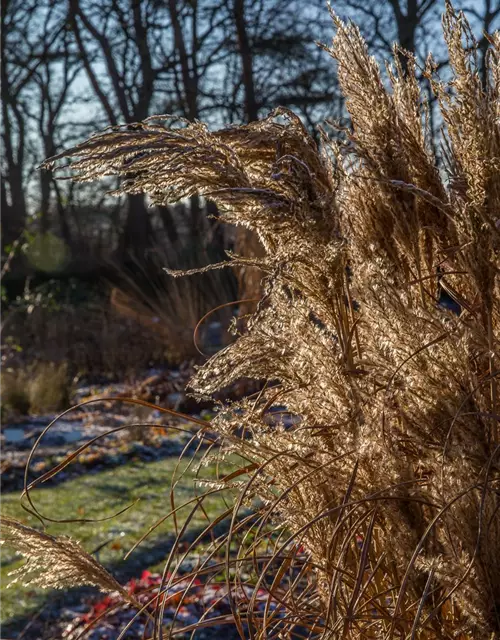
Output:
x=216 y=226
x=491 y=11
x=168 y=223
x=251 y=108
x=45 y=180
x=62 y=215
x=247 y=242
x=13 y=213
x=10 y=222
x=14 y=216
x=406 y=25
x=137 y=234
x=189 y=73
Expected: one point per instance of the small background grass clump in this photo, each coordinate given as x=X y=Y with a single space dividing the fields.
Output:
x=39 y=388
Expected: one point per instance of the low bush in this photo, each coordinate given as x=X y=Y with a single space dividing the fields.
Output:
x=87 y=334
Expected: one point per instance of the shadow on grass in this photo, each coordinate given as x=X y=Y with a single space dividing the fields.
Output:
x=37 y=622
x=13 y=478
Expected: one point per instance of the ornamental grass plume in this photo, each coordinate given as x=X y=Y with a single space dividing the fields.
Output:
x=54 y=562
x=373 y=444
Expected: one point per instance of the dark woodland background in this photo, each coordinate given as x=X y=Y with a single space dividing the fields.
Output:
x=73 y=67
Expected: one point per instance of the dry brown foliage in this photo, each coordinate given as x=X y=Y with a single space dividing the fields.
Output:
x=388 y=476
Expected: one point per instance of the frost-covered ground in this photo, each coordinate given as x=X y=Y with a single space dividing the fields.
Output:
x=131 y=464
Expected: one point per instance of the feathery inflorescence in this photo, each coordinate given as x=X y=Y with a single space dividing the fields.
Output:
x=53 y=562
x=384 y=469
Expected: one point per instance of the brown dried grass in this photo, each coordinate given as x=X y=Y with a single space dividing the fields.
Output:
x=379 y=505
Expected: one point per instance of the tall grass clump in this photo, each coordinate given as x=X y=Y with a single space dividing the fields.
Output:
x=373 y=446
x=173 y=308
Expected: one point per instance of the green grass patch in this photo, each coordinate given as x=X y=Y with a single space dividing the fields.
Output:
x=100 y=496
